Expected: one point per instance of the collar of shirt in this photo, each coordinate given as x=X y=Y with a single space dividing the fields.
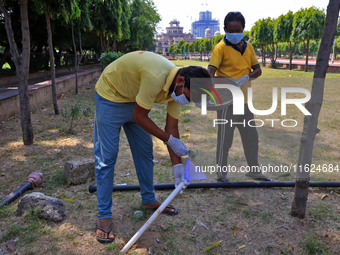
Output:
x=234 y=46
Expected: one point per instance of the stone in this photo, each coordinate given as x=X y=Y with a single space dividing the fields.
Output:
x=50 y=208
x=80 y=171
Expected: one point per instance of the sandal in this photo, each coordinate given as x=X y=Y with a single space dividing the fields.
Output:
x=164 y=212
x=259 y=177
x=107 y=231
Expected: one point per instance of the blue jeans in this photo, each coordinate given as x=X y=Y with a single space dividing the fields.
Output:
x=109 y=119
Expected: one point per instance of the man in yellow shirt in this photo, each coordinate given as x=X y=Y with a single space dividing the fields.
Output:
x=125 y=94
x=235 y=58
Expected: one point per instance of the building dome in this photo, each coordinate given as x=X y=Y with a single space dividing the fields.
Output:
x=174 y=22
x=207 y=33
x=217 y=33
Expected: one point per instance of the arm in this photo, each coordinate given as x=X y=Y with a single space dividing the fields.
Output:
x=211 y=71
x=255 y=73
x=171 y=127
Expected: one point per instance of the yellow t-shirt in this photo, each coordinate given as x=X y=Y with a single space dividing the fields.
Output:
x=142 y=77
x=229 y=61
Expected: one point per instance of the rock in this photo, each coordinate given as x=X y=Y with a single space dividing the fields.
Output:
x=50 y=208
x=80 y=171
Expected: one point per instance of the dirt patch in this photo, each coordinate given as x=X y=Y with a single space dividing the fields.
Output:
x=247 y=221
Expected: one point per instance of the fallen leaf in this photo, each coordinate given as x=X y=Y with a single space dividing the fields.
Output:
x=68 y=199
x=235 y=231
x=241 y=247
x=324 y=196
x=212 y=246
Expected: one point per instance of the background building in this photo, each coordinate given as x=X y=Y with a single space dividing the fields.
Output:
x=173 y=35
x=205 y=21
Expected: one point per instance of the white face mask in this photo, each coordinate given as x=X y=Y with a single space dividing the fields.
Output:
x=181 y=99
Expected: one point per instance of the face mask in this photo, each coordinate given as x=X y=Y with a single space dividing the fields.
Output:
x=181 y=99
x=234 y=38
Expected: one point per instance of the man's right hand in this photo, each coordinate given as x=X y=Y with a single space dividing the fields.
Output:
x=177 y=146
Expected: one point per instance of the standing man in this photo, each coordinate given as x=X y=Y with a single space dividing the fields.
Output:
x=125 y=94
x=235 y=58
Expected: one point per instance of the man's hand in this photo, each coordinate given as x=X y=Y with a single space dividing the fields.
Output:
x=243 y=80
x=177 y=146
x=179 y=175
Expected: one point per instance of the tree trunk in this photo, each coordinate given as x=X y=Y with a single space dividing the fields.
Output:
x=314 y=106
x=114 y=45
x=80 y=48
x=51 y=52
x=291 y=55
x=22 y=67
x=307 y=55
x=75 y=57
x=263 y=55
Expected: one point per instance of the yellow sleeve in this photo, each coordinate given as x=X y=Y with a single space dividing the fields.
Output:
x=173 y=109
x=254 y=61
x=216 y=58
x=150 y=87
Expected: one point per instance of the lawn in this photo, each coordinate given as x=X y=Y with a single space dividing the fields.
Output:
x=247 y=221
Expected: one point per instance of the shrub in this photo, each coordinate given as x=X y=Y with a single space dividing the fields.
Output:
x=109 y=57
x=74 y=113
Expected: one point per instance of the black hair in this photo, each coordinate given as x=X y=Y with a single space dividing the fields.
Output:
x=193 y=72
x=234 y=16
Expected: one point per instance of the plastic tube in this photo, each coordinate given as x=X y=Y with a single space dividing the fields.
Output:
x=195 y=185
x=153 y=217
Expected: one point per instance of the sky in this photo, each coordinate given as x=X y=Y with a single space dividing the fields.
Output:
x=187 y=11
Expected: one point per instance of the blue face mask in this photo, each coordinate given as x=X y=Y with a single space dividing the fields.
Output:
x=234 y=38
x=181 y=99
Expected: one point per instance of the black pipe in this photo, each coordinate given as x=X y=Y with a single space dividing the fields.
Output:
x=195 y=185
x=16 y=193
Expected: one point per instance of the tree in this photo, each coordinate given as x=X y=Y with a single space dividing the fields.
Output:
x=173 y=49
x=283 y=31
x=21 y=60
x=308 y=24
x=180 y=46
x=216 y=39
x=143 y=22
x=261 y=34
x=52 y=9
x=310 y=128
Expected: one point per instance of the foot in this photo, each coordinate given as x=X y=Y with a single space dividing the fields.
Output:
x=105 y=224
x=169 y=210
x=258 y=176
x=222 y=179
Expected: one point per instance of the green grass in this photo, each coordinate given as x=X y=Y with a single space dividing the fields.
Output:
x=28 y=231
x=315 y=246
x=320 y=212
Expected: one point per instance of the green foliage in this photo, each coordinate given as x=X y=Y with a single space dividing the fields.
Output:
x=108 y=57
x=284 y=27
x=315 y=246
x=173 y=49
x=73 y=113
x=308 y=24
x=142 y=22
x=217 y=39
x=262 y=32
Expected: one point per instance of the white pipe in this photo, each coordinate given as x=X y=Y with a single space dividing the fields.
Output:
x=153 y=217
